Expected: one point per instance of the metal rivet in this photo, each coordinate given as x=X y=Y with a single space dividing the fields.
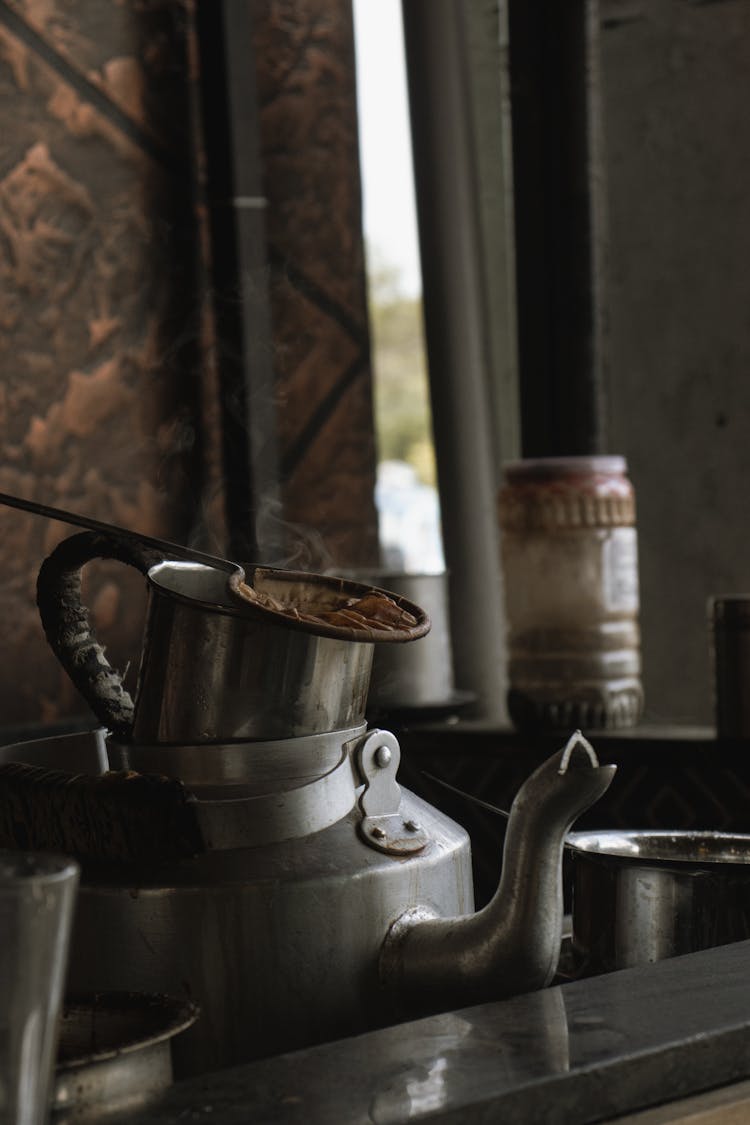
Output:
x=383 y=756
x=378 y=833
x=411 y=826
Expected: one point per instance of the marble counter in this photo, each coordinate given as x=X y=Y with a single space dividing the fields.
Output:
x=583 y=1052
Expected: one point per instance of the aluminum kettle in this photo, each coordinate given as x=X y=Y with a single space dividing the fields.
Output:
x=313 y=897
x=327 y=902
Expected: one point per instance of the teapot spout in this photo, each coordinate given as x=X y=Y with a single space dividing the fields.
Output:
x=512 y=945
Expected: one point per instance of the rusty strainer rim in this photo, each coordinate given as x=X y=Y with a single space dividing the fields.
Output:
x=291 y=587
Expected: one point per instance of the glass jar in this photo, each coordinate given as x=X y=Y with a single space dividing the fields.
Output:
x=570 y=566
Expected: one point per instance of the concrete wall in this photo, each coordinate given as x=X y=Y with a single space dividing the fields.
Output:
x=677 y=126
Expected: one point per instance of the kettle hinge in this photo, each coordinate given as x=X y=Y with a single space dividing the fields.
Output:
x=383 y=825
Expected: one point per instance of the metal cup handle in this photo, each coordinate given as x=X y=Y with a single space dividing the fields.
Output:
x=68 y=629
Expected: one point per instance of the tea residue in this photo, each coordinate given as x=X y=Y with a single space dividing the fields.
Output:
x=373 y=611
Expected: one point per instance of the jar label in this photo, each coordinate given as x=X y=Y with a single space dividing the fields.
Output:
x=620 y=571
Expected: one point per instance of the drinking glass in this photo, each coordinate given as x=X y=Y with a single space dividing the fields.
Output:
x=37 y=895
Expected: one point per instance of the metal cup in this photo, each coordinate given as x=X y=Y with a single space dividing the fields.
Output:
x=217 y=667
x=211 y=673
x=645 y=895
x=37 y=894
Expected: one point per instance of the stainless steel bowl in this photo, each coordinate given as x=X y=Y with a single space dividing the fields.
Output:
x=643 y=896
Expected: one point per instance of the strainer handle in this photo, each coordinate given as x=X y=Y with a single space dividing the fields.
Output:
x=68 y=629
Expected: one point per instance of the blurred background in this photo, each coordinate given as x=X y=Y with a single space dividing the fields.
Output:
x=291 y=280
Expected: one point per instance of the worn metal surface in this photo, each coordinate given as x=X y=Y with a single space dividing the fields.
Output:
x=278 y=945
x=114 y=1054
x=271 y=654
x=275 y=933
x=312 y=916
x=643 y=896
x=233 y=768
x=385 y=826
x=253 y=678
x=512 y=945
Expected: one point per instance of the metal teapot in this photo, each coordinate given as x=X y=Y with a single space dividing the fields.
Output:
x=319 y=898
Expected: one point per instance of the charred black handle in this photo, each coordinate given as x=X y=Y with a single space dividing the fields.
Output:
x=66 y=621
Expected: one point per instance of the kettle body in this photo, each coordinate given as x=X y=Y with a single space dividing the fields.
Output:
x=315 y=899
x=278 y=944
x=280 y=878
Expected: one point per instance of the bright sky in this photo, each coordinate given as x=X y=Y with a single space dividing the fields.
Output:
x=385 y=143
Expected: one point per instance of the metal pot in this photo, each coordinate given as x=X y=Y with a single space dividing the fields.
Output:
x=643 y=896
x=114 y=1053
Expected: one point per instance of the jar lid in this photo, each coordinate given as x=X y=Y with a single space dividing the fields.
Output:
x=541 y=468
x=566 y=493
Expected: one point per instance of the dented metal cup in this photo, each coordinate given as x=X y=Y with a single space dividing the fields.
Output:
x=212 y=672
x=214 y=666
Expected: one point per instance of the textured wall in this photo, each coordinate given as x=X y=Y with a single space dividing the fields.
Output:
x=305 y=60
x=98 y=306
x=677 y=126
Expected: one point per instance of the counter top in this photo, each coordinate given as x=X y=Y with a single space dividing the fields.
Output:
x=579 y=1053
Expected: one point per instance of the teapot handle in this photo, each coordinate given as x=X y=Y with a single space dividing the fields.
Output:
x=66 y=621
